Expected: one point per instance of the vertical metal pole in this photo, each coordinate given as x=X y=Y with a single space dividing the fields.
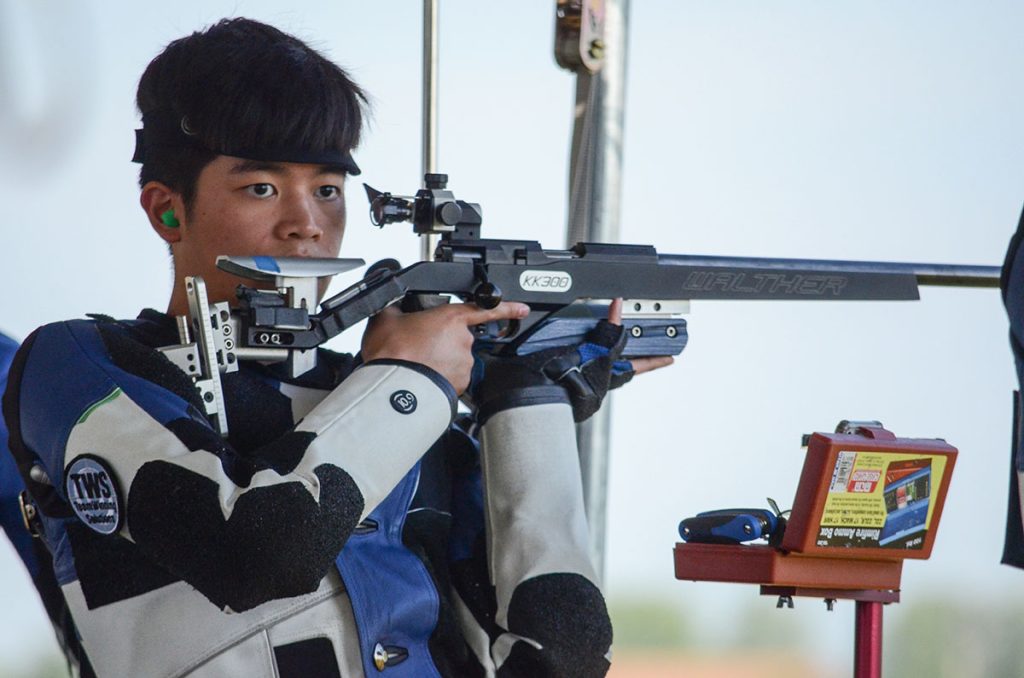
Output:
x=430 y=39
x=595 y=186
x=867 y=656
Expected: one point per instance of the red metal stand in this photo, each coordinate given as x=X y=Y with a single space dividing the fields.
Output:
x=867 y=658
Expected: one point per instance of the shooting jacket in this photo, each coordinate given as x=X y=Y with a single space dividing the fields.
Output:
x=341 y=529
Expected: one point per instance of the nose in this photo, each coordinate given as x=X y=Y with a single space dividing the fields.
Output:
x=298 y=219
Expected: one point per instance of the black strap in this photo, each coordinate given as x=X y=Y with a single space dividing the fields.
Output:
x=171 y=132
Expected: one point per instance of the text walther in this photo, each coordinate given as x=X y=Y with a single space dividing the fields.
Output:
x=765 y=283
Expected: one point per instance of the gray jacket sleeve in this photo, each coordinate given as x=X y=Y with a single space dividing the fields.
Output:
x=549 y=605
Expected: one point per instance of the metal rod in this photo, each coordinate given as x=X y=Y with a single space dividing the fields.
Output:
x=867 y=658
x=952 y=275
x=595 y=187
x=268 y=355
x=429 y=165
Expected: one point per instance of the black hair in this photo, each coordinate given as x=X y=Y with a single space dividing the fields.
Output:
x=242 y=84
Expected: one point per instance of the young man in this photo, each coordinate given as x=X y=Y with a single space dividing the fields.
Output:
x=333 y=532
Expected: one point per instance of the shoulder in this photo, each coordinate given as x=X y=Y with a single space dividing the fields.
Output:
x=73 y=353
x=55 y=376
x=56 y=347
x=65 y=369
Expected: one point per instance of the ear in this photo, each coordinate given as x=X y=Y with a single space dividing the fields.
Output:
x=156 y=199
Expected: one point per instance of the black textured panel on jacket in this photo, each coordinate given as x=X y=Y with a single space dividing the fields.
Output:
x=282 y=455
x=277 y=543
x=256 y=411
x=566 y=614
x=285 y=453
x=111 y=568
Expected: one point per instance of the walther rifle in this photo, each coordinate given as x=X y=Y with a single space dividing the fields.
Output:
x=567 y=291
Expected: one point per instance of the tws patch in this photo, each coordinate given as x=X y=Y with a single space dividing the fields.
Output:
x=404 y=402
x=93 y=493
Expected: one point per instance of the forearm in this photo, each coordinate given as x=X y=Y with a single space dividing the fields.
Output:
x=546 y=588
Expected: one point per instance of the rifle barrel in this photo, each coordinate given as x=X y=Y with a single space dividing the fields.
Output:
x=945 y=275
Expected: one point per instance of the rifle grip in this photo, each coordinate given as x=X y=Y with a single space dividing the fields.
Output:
x=412 y=303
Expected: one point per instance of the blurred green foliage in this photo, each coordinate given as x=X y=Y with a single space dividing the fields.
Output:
x=951 y=638
x=42 y=666
x=932 y=636
x=643 y=622
x=927 y=635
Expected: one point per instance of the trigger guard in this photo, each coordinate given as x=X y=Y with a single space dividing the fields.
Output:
x=497 y=331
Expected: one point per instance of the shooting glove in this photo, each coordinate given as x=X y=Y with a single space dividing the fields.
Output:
x=580 y=375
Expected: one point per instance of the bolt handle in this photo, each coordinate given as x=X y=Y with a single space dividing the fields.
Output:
x=487 y=295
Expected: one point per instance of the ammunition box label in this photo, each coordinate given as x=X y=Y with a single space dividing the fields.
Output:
x=880 y=500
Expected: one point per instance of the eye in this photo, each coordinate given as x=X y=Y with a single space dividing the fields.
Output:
x=328 y=192
x=261 y=190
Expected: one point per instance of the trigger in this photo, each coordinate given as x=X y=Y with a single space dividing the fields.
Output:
x=496 y=329
x=488 y=330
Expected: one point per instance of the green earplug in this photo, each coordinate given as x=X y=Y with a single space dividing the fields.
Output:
x=169 y=219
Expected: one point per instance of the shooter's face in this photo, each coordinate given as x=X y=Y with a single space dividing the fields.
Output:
x=247 y=207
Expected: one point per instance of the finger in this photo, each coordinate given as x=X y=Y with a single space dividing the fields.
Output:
x=649 y=364
x=506 y=310
x=615 y=311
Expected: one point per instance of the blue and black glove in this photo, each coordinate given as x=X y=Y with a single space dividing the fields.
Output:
x=580 y=375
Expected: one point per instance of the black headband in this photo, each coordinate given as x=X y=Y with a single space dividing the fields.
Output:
x=173 y=133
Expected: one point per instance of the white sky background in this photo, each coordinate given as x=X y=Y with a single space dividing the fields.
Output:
x=870 y=130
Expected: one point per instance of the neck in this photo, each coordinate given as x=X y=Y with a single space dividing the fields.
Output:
x=178 y=305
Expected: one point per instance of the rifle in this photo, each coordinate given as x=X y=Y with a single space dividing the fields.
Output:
x=567 y=290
